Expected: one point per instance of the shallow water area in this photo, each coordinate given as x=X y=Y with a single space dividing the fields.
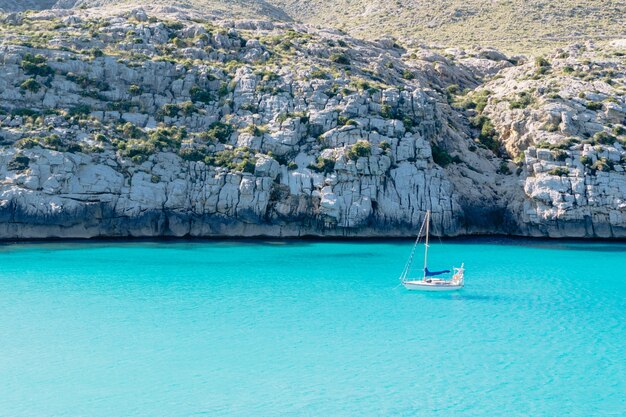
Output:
x=309 y=328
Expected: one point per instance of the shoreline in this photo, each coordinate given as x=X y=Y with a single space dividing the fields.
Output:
x=466 y=239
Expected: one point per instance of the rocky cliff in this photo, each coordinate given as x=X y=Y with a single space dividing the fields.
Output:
x=132 y=123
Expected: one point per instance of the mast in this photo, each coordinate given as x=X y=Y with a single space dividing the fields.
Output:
x=426 y=242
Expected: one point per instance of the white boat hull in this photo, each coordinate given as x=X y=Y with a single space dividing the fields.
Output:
x=433 y=285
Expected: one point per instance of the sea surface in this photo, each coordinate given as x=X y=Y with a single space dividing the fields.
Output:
x=309 y=328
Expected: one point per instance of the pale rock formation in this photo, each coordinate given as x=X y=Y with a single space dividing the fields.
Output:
x=247 y=128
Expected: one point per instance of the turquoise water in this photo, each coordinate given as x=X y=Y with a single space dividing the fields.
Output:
x=310 y=329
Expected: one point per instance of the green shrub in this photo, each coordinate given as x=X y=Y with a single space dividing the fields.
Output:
x=360 y=149
x=385 y=146
x=79 y=110
x=186 y=108
x=255 y=130
x=73 y=148
x=267 y=75
x=169 y=110
x=488 y=135
x=53 y=142
x=19 y=162
x=85 y=82
x=504 y=168
x=324 y=165
x=477 y=100
x=24 y=112
x=135 y=90
x=481 y=100
x=361 y=85
x=408 y=122
x=407 y=74
x=304 y=118
x=344 y=91
x=603 y=138
x=131 y=131
x=559 y=171
x=266 y=89
x=387 y=112
x=595 y=106
x=36 y=65
x=167 y=137
x=228 y=159
x=245 y=166
x=249 y=107
x=222 y=91
x=282 y=117
x=541 y=62
x=143 y=145
x=200 y=95
x=440 y=156
x=523 y=100
x=585 y=160
x=180 y=43
x=453 y=90
x=566 y=144
x=191 y=154
x=31 y=85
x=560 y=155
x=121 y=106
x=345 y=121
x=291 y=166
x=222 y=158
x=285 y=45
x=619 y=130
x=603 y=165
x=26 y=143
x=340 y=58
x=174 y=26
x=319 y=74
x=219 y=132
x=551 y=127
x=138 y=150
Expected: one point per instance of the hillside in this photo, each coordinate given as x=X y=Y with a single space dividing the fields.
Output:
x=223 y=8
x=118 y=122
x=516 y=26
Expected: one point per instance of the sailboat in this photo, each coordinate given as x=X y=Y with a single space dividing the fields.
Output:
x=427 y=283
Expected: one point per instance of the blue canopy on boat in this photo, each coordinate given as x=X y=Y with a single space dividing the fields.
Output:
x=434 y=273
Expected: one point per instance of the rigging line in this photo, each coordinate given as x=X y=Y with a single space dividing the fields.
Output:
x=407 y=266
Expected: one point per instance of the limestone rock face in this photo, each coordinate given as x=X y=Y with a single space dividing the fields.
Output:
x=564 y=115
x=158 y=125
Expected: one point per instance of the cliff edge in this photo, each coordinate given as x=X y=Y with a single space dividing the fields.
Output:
x=162 y=123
